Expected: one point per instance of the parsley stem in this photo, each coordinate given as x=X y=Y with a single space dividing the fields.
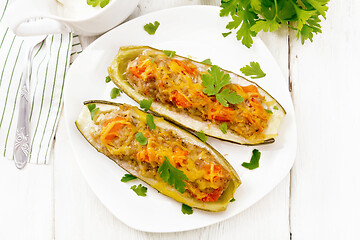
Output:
x=276 y=10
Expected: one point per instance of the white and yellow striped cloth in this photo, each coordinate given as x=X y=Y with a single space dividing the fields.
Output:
x=51 y=60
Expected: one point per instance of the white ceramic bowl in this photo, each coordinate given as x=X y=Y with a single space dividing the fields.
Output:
x=53 y=17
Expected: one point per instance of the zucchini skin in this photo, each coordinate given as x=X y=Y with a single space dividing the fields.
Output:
x=117 y=73
x=161 y=186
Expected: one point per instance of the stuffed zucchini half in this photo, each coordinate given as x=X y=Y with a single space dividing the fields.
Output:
x=178 y=91
x=143 y=147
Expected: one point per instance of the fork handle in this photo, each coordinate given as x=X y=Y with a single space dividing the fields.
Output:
x=22 y=138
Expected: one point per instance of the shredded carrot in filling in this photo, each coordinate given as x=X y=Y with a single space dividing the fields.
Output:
x=206 y=178
x=177 y=83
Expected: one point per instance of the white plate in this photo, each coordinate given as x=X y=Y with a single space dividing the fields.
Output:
x=191 y=31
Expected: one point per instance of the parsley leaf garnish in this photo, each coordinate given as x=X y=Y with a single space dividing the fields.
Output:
x=251 y=17
x=151 y=28
x=253 y=70
x=233 y=200
x=140 y=190
x=146 y=104
x=276 y=108
x=207 y=61
x=186 y=209
x=226 y=96
x=201 y=135
x=94 y=3
x=169 y=53
x=141 y=138
x=107 y=79
x=150 y=121
x=114 y=93
x=254 y=161
x=214 y=82
x=172 y=175
x=223 y=127
x=268 y=111
x=93 y=109
x=226 y=34
x=128 y=177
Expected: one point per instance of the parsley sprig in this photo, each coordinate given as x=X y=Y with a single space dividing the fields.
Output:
x=141 y=138
x=151 y=28
x=254 y=161
x=94 y=3
x=92 y=109
x=201 y=135
x=172 y=175
x=128 y=177
x=249 y=17
x=169 y=53
x=207 y=61
x=223 y=128
x=150 y=121
x=253 y=70
x=214 y=82
x=185 y=209
x=115 y=92
x=140 y=190
x=146 y=104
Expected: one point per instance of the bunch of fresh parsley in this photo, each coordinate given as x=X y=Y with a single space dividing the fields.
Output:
x=249 y=17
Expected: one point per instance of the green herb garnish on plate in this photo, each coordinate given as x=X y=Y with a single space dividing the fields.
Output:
x=185 y=209
x=128 y=177
x=140 y=190
x=151 y=28
x=253 y=70
x=254 y=161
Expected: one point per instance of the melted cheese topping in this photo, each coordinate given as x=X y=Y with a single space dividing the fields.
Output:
x=177 y=84
x=115 y=136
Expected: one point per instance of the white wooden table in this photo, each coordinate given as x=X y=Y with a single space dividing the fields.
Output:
x=319 y=199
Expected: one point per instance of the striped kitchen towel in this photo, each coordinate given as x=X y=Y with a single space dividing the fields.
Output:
x=51 y=60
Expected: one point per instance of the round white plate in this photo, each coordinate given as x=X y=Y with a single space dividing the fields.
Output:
x=193 y=31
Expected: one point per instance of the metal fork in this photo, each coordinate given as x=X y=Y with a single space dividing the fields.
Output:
x=22 y=138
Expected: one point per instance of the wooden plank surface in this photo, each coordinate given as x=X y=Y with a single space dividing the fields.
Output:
x=325 y=182
x=80 y=215
x=26 y=201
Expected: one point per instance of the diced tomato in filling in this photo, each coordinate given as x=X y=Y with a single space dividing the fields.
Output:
x=137 y=71
x=221 y=113
x=213 y=196
x=214 y=172
x=143 y=70
x=180 y=99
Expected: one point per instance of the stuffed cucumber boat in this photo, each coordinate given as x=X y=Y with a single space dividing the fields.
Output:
x=193 y=95
x=145 y=145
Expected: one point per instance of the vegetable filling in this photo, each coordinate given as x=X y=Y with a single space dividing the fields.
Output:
x=116 y=133
x=178 y=84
